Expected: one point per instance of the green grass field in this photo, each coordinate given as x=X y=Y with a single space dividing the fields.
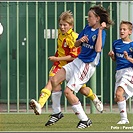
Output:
x=30 y=122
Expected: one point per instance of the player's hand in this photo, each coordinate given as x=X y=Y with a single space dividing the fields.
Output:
x=84 y=39
x=125 y=55
x=103 y=25
x=111 y=54
x=53 y=58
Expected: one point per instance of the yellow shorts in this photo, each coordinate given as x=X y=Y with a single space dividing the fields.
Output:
x=54 y=70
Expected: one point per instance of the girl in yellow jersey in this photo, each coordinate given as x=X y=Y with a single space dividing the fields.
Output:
x=66 y=52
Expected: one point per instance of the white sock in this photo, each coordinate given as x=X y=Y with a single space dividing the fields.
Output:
x=122 y=109
x=78 y=110
x=56 y=96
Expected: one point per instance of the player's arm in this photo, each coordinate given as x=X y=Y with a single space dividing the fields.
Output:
x=73 y=53
x=81 y=40
x=127 y=57
x=65 y=58
x=98 y=45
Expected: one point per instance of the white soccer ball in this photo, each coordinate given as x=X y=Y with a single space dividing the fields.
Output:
x=1 y=28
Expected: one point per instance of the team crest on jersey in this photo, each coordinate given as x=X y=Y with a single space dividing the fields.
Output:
x=94 y=38
x=131 y=49
x=74 y=49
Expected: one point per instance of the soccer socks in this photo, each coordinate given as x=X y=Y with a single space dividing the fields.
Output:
x=78 y=110
x=45 y=94
x=56 y=96
x=122 y=109
x=91 y=95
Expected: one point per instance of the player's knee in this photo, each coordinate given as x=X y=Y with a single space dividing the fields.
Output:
x=118 y=97
x=53 y=81
x=84 y=91
x=119 y=94
x=67 y=92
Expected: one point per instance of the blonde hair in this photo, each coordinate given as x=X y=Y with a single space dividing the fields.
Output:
x=129 y=24
x=67 y=16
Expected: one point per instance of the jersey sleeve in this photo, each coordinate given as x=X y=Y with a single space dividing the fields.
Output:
x=113 y=46
x=103 y=38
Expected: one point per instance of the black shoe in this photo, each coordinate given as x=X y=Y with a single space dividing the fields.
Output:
x=54 y=118
x=84 y=124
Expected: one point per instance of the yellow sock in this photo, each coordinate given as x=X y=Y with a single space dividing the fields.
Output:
x=91 y=95
x=45 y=94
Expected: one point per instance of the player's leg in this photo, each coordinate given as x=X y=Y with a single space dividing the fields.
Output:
x=89 y=94
x=121 y=102
x=70 y=73
x=78 y=109
x=56 y=96
x=45 y=94
x=56 y=107
x=58 y=78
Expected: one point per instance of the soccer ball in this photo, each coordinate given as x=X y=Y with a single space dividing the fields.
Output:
x=1 y=28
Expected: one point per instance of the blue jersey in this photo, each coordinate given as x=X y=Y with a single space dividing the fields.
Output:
x=88 y=53
x=119 y=47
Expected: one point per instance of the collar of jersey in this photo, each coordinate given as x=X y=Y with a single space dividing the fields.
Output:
x=68 y=32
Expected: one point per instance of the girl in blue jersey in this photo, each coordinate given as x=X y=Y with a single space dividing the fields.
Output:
x=80 y=70
x=122 y=53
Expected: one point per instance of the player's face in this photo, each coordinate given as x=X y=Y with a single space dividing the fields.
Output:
x=124 y=31
x=64 y=26
x=93 y=20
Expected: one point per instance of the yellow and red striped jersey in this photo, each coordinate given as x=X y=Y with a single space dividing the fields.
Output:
x=66 y=46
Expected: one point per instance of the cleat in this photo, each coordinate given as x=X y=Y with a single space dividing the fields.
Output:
x=84 y=124
x=123 y=122
x=54 y=118
x=36 y=107
x=98 y=104
x=101 y=111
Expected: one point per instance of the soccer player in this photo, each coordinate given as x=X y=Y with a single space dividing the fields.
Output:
x=80 y=70
x=65 y=53
x=122 y=53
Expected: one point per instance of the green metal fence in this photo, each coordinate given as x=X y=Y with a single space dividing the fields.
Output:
x=30 y=36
